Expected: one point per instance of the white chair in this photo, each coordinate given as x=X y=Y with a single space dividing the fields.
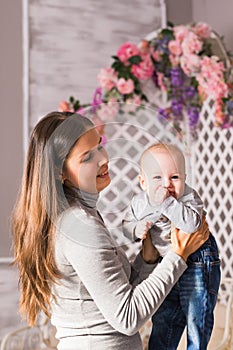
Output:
x=224 y=317
x=42 y=336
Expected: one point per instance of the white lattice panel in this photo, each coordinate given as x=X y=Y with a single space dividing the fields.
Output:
x=210 y=171
x=127 y=137
x=213 y=169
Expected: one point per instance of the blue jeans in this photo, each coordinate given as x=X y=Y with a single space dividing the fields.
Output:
x=191 y=302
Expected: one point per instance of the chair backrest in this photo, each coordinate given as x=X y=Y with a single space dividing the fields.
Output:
x=41 y=336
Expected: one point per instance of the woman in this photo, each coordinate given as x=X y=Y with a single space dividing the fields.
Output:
x=70 y=266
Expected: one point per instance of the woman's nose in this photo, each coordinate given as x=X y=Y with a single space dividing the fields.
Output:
x=102 y=158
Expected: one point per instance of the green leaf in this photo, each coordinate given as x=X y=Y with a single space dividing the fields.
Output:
x=71 y=99
x=144 y=98
x=153 y=60
x=115 y=58
x=76 y=105
x=194 y=82
x=135 y=59
x=168 y=33
x=170 y=24
x=118 y=66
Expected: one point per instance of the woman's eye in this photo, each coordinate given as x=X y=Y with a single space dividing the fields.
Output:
x=87 y=157
x=100 y=147
x=157 y=177
x=175 y=177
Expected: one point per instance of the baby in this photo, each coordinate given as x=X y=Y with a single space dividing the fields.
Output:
x=166 y=202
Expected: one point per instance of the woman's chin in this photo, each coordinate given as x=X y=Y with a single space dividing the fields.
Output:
x=102 y=183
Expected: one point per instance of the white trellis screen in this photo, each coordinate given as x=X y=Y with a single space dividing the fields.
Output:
x=209 y=169
x=213 y=168
x=127 y=137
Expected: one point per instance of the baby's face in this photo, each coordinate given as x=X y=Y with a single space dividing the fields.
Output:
x=161 y=168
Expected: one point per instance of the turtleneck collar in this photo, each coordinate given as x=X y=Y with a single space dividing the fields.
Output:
x=74 y=194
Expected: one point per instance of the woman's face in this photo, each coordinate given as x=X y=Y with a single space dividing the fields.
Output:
x=86 y=167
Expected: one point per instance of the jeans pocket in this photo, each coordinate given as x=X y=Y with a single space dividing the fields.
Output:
x=213 y=269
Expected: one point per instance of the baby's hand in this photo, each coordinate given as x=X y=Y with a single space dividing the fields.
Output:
x=142 y=228
x=160 y=195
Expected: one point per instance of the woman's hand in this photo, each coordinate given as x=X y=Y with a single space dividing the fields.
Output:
x=149 y=252
x=185 y=244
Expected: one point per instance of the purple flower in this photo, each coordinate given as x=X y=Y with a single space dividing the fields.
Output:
x=229 y=106
x=163 y=113
x=189 y=92
x=193 y=115
x=177 y=77
x=97 y=99
x=177 y=108
x=154 y=78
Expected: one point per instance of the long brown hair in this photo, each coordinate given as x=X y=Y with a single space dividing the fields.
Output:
x=39 y=203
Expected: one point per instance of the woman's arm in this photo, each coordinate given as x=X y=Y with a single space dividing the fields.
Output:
x=105 y=272
x=184 y=244
x=102 y=268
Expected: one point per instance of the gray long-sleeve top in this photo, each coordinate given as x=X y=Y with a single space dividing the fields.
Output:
x=103 y=300
x=184 y=213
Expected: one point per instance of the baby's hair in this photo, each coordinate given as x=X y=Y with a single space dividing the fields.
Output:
x=163 y=147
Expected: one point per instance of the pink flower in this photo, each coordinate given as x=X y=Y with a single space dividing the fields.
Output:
x=126 y=51
x=125 y=86
x=190 y=64
x=220 y=116
x=145 y=68
x=180 y=32
x=81 y=111
x=175 y=60
x=203 y=30
x=144 y=46
x=107 y=78
x=175 y=47
x=99 y=124
x=201 y=92
x=64 y=107
x=132 y=104
x=191 y=44
x=108 y=111
x=218 y=89
x=155 y=54
x=212 y=68
x=211 y=78
x=161 y=81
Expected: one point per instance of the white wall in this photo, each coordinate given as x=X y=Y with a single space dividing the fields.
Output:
x=11 y=154
x=217 y=13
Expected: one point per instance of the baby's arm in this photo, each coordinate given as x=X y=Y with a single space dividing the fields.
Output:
x=185 y=213
x=134 y=228
x=129 y=223
x=141 y=229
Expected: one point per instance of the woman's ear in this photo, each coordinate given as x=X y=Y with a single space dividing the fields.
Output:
x=142 y=182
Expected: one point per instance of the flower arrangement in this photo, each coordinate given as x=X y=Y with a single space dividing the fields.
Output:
x=180 y=60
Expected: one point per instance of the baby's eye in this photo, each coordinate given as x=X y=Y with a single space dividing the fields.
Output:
x=157 y=177
x=175 y=177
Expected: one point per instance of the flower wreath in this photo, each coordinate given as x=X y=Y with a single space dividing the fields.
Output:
x=181 y=62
